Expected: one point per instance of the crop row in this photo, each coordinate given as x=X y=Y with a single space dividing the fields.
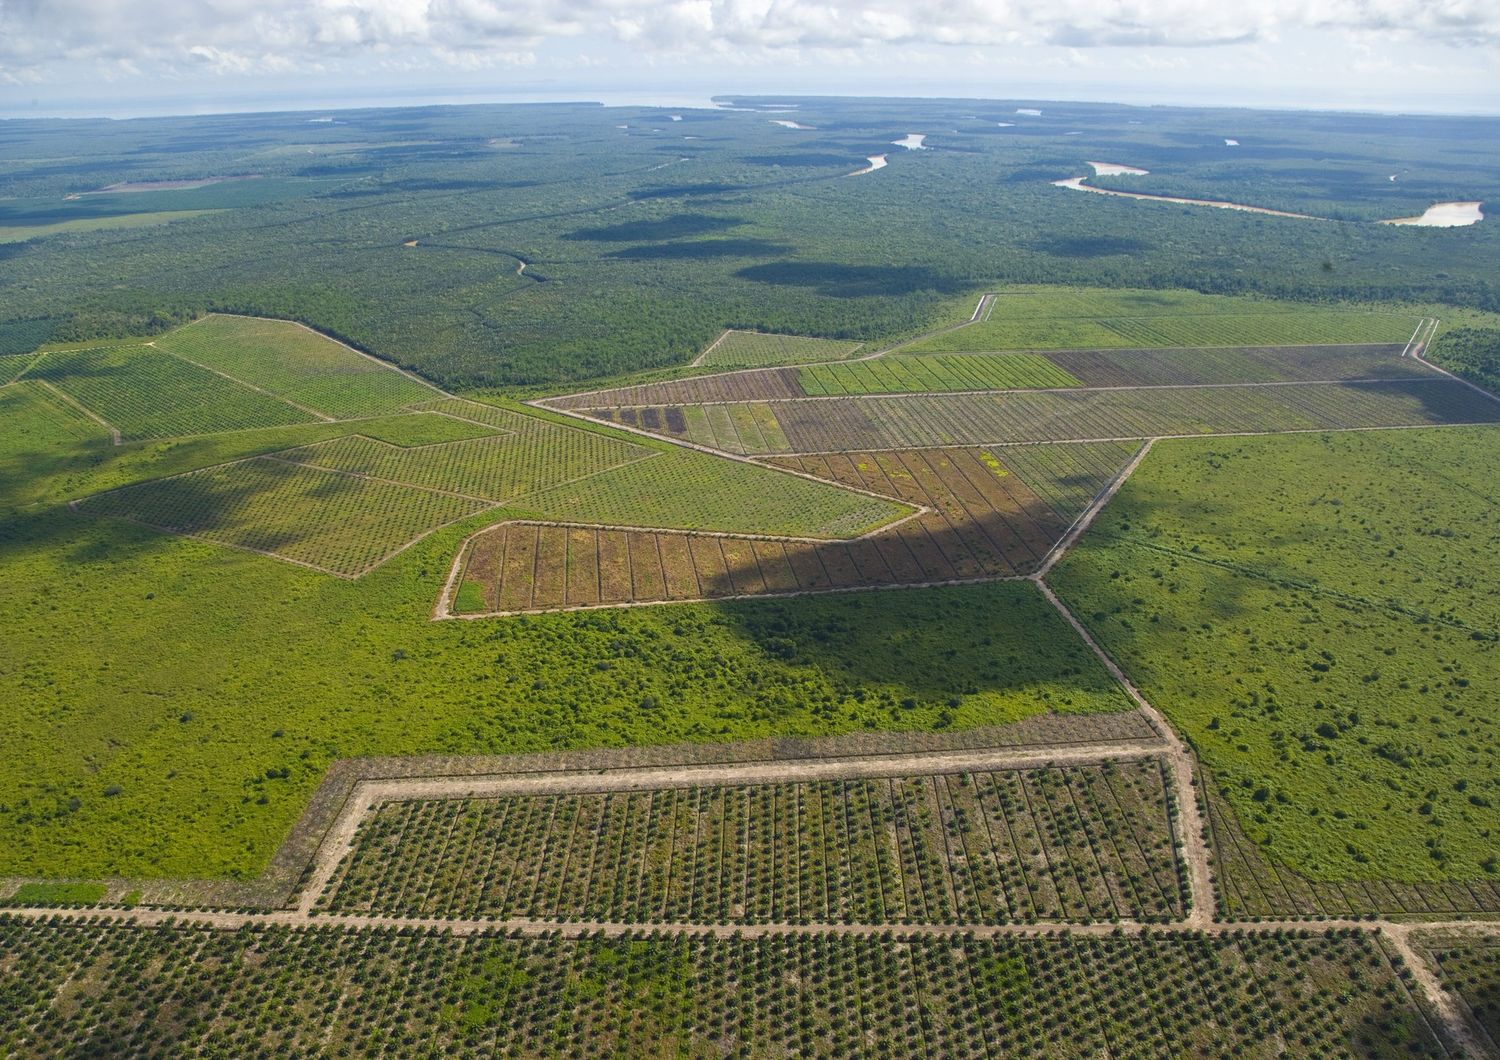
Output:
x=335 y=522
x=935 y=372
x=840 y=425
x=684 y=489
x=78 y=989
x=1250 y=884
x=730 y=386
x=1470 y=968
x=1082 y=843
x=1254 y=364
x=13 y=364
x=1067 y=477
x=296 y=363
x=743 y=428
x=145 y=393
x=35 y=419
x=751 y=349
x=496 y=468
x=983 y=521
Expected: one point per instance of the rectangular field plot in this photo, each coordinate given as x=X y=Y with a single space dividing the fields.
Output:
x=1083 y=842
x=728 y=386
x=753 y=349
x=1250 y=884
x=333 y=522
x=74 y=985
x=925 y=374
x=1238 y=364
x=145 y=393
x=842 y=424
x=297 y=364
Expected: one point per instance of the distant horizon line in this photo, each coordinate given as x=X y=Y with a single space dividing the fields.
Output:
x=358 y=100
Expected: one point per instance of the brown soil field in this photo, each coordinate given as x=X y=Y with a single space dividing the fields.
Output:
x=980 y=520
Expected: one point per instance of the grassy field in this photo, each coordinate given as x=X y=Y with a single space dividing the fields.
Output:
x=21 y=233
x=206 y=754
x=1081 y=318
x=921 y=374
x=754 y=349
x=1080 y=843
x=1316 y=614
x=145 y=991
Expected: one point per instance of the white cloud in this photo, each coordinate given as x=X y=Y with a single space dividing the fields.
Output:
x=249 y=36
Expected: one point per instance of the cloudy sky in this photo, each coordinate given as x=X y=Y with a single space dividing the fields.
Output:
x=121 y=57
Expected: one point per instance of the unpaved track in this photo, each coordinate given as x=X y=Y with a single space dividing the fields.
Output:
x=367 y=794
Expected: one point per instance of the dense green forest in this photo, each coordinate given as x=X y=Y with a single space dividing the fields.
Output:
x=405 y=231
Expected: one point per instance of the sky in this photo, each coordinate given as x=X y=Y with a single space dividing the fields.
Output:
x=121 y=58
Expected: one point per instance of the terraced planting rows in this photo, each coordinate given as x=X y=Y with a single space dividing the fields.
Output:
x=1081 y=843
x=1251 y=885
x=983 y=521
x=145 y=393
x=926 y=374
x=297 y=364
x=751 y=349
x=974 y=419
x=79 y=989
x=338 y=523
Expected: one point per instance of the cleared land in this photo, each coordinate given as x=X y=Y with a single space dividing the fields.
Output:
x=296 y=364
x=753 y=349
x=980 y=519
x=1081 y=842
x=1317 y=615
x=74 y=986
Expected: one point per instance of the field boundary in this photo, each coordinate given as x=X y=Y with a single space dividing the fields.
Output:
x=74 y=403
x=233 y=379
x=278 y=885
